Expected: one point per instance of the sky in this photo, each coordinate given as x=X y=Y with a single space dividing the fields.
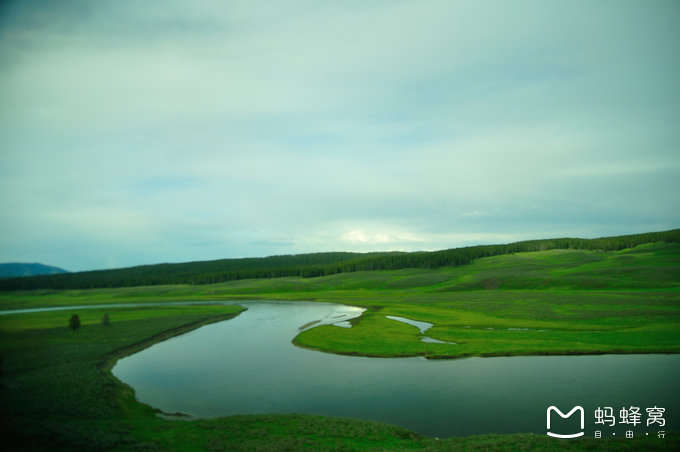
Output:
x=170 y=131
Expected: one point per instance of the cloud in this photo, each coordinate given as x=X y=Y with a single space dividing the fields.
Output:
x=472 y=213
x=359 y=236
x=132 y=133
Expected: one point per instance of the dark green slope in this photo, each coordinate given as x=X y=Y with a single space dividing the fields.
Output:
x=201 y=272
x=317 y=264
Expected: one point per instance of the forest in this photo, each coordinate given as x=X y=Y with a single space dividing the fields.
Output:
x=314 y=264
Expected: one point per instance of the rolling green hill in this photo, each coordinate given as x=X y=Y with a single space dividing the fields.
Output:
x=319 y=264
x=201 y=272
x=542 y=302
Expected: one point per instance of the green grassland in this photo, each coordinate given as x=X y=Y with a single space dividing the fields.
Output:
x=317 y=264
x=56 y=390
x=552 y=302
x=653 y=266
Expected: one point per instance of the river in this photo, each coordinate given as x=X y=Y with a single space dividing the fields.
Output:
x=248 y=365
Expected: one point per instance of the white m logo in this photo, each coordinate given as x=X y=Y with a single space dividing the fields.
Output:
x=564 y=416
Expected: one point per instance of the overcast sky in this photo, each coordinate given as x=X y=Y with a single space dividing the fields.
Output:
x=164 y=131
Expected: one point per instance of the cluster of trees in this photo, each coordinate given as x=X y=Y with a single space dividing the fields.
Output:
x=74 y=321
x=316 y=264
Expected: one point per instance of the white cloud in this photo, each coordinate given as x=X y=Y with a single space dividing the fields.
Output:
x=472 y=213
x=381 y=239
x=358 y=236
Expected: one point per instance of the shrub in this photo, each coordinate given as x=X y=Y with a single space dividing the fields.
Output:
x=74 y=323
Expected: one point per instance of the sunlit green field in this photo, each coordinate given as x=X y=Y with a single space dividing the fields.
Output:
x=488 y=323
x=56 y=390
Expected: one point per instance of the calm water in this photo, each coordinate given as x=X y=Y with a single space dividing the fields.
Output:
x=248 y=365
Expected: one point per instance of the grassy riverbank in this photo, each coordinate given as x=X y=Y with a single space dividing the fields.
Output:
x=57 y=393
x=497 y=323
x=56 y=387
x=56 y=390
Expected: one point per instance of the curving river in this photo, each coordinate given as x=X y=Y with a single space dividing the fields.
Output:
x=248 y=365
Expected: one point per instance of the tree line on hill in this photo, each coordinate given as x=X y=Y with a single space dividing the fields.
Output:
x=315 y=264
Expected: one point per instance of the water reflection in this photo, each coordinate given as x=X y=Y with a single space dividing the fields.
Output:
x=247 y=365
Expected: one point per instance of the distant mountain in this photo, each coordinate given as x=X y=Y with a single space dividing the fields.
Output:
x=15 y=269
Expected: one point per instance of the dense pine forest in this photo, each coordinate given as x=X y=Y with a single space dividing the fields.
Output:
x=315 y=264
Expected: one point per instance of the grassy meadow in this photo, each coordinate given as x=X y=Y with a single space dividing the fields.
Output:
x=56 y=390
